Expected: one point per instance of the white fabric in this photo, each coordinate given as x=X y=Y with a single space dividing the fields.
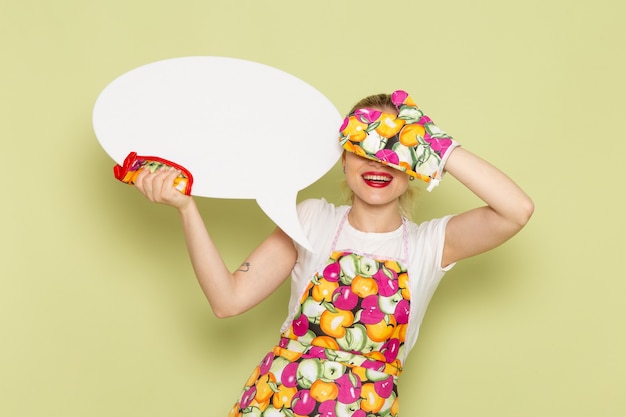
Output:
x=320 y=221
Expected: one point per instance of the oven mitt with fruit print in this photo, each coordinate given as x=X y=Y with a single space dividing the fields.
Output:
x=409 y=141
x=134 y=163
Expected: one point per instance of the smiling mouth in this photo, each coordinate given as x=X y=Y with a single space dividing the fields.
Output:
x=377 y=180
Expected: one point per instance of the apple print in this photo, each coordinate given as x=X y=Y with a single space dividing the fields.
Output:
x=332 y=272
x=335 y=323
x=289 y=375
x=390 y=349
x=367 y=267
x=402 y=312
x=300 y=325
x=309 y=370
x=332 y=370
x=349 y=267
x=349 y=388
x=413 y=115
x=247 y=397
x=388 y=304
x=313 y=309
x=373 y=143
x=384 y=387
x=327 y=408
x=344 y=299
x=371 y=313
x=387 y=156
x=405 y=153
x=398 y=97
x=266 y=363
x=387 y=280
x=371 y=346
x=278 y=366
x=302 y=403
x=354 y=339
x=367 y=115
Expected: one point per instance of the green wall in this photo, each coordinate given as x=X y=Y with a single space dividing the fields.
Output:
x=100 y=314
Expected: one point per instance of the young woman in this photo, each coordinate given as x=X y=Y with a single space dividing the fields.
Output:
x=356 y=303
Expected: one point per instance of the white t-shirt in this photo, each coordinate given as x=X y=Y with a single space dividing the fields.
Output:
x=320 y=221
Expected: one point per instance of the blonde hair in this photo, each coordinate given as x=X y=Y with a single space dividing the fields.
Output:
x=376 y=101
x=407 y=199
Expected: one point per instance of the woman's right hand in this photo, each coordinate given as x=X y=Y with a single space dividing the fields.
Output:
x=158 y=187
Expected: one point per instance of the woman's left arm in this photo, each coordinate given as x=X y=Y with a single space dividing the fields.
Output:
x=478 y=230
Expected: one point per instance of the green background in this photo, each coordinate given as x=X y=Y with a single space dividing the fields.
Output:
x=100 y=314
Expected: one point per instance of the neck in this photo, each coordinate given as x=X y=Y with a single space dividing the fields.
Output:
x=370 y=219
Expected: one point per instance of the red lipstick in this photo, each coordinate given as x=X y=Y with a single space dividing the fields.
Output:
x=377 y=179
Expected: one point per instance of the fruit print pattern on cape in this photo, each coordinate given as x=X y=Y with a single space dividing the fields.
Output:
x=341 y=355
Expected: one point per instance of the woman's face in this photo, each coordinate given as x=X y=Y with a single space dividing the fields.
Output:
x=372 y=182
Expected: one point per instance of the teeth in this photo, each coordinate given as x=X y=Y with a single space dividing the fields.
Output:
x=380 y=178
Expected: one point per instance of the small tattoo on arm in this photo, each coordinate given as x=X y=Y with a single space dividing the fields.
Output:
x=245 y=267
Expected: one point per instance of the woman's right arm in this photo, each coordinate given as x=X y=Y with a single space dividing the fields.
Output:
x=229 y=293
